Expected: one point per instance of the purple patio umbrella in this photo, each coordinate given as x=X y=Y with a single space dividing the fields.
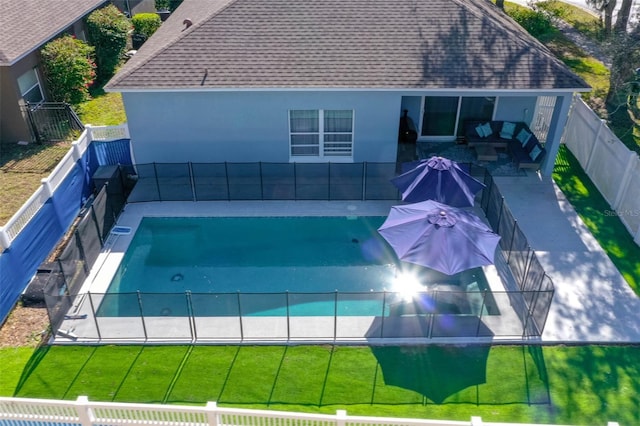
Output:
x=440 y=237
x=439 y=179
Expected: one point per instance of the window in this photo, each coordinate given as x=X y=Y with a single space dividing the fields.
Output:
x=321 y=133
x=30 y=87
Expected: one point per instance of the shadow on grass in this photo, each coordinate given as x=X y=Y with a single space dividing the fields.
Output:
x=311 y=376
x=32 y=158
x=610 y=372
x=598 y=216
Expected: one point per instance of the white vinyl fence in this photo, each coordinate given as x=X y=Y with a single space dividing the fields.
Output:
x=613 y=168
x=40 y=412
x=21 y=218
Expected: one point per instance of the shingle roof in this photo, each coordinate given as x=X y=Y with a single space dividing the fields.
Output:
x=27 y=24
x=382 y=44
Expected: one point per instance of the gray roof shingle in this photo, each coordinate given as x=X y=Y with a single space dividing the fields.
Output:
x=380 y=44
x=27 y=24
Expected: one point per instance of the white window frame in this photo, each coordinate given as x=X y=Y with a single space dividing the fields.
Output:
x=36 y=84
x=325 y=153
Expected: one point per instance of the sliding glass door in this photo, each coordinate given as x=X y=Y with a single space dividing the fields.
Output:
x=446 y=115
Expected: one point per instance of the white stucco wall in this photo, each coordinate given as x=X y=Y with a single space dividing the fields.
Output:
x=250 y=126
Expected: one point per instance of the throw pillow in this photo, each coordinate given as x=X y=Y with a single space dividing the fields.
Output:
x=480 y=131
x=507 y=130
x=523 y=137
x=486 y=128
x=535 y=153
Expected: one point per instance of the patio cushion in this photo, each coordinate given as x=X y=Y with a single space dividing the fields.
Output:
x=507 y=130
x=486 y=128
x=480 y=131
x=523 y=137
x=535 y=152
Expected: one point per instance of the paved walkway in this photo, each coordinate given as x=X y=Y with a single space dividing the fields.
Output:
x=593 y=302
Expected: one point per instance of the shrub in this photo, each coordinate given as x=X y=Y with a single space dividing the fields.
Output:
x=146 y=24
x=162 y=4
x=108 y=29
x=173 y=4
x=69 y=69
x=537 y=23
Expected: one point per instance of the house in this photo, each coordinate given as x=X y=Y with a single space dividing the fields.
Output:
x=328 y=80
x=25 y=26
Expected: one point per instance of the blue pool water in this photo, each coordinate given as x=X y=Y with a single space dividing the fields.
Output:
x=279 y=265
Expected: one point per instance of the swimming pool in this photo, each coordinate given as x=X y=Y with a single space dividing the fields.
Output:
x=279 y=266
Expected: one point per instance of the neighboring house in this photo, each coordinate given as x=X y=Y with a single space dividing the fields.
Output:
x=25 y=26
x=327 y=80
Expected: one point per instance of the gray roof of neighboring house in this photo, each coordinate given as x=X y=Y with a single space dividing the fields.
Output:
x=27 y=24
x=379 y=44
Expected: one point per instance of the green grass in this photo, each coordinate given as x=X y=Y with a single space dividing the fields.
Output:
x=103 y=109
x=588 y=24
x=594 y=72
x=597 y=215
x=576 y=385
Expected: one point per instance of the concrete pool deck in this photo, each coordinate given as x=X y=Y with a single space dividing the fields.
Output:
x=592 y=302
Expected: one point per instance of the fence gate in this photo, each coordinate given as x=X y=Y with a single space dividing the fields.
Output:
x=52 y=121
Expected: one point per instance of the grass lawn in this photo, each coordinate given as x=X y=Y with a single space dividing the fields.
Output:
x=22 y=169
x=103 y=109
x=593 y=208
x=581 y=385
x=586 y=22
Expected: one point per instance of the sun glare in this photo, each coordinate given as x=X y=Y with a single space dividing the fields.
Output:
x=407 y=285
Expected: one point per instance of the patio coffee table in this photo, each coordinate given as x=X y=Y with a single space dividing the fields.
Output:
x=486 y=153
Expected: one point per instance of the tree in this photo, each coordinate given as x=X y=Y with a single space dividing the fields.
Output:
x=108 y=29
x=623 y=16
x=605 y=8
x=625 y=48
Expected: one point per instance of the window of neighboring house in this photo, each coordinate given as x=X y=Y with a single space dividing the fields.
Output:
x=321 y=133
x=29 y=85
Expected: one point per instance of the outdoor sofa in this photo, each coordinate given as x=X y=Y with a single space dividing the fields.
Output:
x=523 y=146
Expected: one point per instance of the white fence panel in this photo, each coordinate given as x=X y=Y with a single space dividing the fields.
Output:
x=108 y=133
x=629 y=206
x=41 y=411
x=28 y=210
x=607 y=166
x=582 y=131
x=613 y=168
x=21 y=218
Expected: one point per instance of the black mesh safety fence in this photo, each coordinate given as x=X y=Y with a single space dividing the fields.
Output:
x=278 y=181
x=518 y=256
x=308 y=317
x=79 y=249
x=535 y=287
x=264 y=181
x=244 y=181
x=346 y=181
x=470 y=312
